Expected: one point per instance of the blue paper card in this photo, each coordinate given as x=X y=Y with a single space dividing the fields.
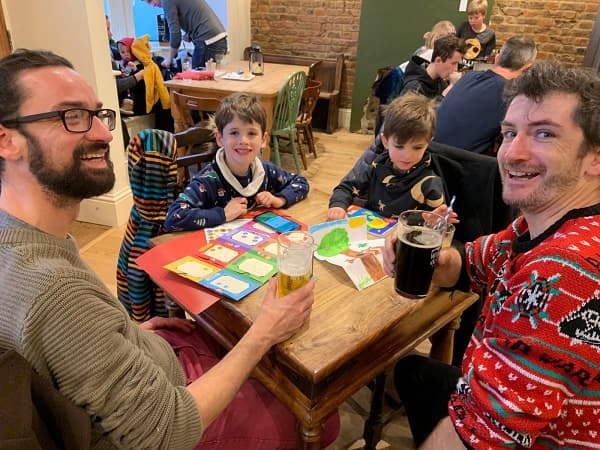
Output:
x=230 y=284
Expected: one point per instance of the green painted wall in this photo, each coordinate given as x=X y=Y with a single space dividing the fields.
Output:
x=390 y=30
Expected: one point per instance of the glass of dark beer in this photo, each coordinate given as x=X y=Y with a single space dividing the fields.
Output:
x=420 y=235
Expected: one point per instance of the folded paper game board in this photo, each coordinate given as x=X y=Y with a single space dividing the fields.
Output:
x=233 y=259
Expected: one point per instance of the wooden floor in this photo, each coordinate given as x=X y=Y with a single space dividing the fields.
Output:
x=336 y=154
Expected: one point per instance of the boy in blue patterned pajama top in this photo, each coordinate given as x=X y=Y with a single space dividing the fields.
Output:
x=237 y=180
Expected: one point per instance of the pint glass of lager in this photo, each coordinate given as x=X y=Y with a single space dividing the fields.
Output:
x=295 y=252
x=420 y=235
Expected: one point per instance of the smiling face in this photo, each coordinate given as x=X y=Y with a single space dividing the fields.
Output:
x=541 y=158
x=405 y=155
x=242 y=142
x=70 y=166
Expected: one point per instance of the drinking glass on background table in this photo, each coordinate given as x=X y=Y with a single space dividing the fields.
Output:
x=295 y=253
x=220 y=60
x=420 y=235
x=186 y=67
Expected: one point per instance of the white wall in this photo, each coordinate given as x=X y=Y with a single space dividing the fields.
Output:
x=41 y=25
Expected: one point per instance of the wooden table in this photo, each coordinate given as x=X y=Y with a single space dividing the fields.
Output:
x=264 y=86
x=352 y=336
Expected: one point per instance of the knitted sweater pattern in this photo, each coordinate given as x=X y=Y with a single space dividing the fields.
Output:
x=531 y=373
x=57 y=314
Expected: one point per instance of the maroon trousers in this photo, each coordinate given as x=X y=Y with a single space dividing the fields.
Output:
x=255 y=419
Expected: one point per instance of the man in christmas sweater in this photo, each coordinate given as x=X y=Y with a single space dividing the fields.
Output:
x=530 y=377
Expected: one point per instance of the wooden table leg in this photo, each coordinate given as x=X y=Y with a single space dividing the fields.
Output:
x=442 y=342
x=178 y=122
x=374 y=424
x=310 y=436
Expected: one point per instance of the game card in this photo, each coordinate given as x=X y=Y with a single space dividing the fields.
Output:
x=267 y=248
x=243 y=238
x=191 y=268
x=215 y=232
x=219 y=253
x=254 y=266
x=230 y=284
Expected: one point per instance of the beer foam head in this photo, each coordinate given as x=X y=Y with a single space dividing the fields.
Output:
x=421 y=237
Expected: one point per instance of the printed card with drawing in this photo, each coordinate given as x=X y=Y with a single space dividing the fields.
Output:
x=219 y=253
x=230 y=284
x=377 y=224
x=215 y=232
x=192 y=268
x=243 y=238
x=254 y=266
x=344 y=243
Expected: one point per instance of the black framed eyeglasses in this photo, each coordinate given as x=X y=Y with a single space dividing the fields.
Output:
x=75 y=120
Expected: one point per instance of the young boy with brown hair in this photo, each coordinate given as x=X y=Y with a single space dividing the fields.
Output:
x=237 y=180
x=401 y=177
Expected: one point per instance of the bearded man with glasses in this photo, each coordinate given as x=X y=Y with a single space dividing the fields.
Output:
x=58 y=315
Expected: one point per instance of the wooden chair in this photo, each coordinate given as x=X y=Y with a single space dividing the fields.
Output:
x=304 y=121
x=285 y=114
x=198 y=140
x=312 y=70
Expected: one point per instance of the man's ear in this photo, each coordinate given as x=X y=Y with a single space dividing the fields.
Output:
x=10 y=147
x=593 y=168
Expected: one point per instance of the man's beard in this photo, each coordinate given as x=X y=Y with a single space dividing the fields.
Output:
x=553 y=186
x=71 y=183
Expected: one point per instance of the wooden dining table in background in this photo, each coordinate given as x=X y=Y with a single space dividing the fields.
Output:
x=351 y=337
x=265 y=87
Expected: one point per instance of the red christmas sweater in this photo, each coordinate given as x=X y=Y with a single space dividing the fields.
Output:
x=531 y=372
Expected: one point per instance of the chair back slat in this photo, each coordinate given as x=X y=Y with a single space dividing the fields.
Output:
x=309 y=101
x=288 y=103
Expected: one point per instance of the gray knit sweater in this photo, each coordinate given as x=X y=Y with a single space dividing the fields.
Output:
x=57 y=314
x=195 y=17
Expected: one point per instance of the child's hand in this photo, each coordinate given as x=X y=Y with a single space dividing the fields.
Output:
x=268 y=200
x=236 y=207
x=336 y=213
x=443 y=209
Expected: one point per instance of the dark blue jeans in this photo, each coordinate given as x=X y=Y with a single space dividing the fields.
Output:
x=203 y=52
x=424 y=386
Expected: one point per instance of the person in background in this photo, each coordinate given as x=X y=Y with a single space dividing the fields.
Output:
x=530 y=377
x=131 y=88
x=401 y=177
x=114 y=51
x=391 y=83
x=161 y=384
x=475 y=28
x=469 y=116
x=202 y=26
x=439 y=29
x=237 y=180
x=430 y=78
